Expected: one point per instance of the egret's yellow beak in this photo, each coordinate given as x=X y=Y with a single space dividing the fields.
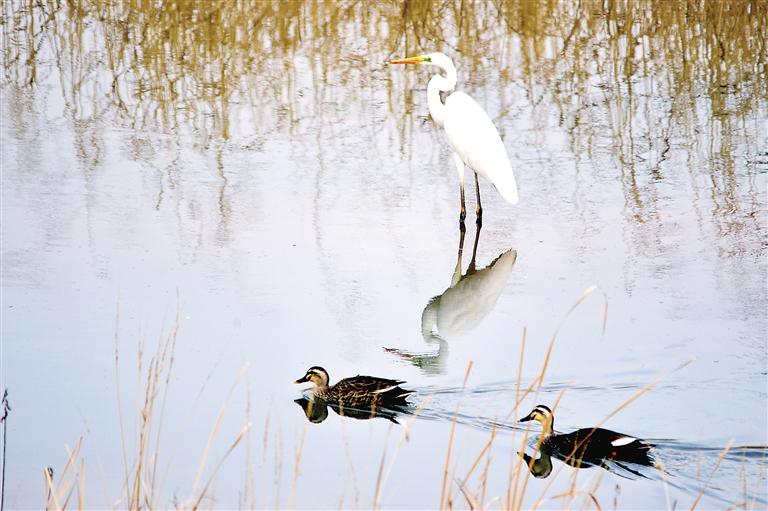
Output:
x=410 y=60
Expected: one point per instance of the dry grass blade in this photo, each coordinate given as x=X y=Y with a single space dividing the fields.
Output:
x=380 y=472
x=126 y=472
x=52 y=495
x=71 y=479
x=643 y=390
x=382 y=476
x=711 y=475
x=296 y=467
x=486 y=448
x=208 y=482
x=169 y=350
x=471 y=499
x=216 y=425
x=4 y=421
x=450 y=442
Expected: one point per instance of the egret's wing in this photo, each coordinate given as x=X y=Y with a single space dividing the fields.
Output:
x=476 y=140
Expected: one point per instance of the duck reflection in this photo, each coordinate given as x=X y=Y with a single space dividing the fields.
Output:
x=461 y=307
x=541 y=467
x=316 y=410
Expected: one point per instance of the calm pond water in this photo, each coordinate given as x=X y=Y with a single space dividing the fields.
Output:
x=252 y=182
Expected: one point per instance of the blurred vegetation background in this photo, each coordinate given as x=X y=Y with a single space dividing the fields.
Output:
x=162 y=64
x=635 y=78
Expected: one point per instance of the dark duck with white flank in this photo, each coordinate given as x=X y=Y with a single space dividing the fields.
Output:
x=588 y=446
x=358 y=391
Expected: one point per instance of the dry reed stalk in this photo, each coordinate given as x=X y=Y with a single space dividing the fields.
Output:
x=4 y=421
x=296 y=467
x=171 y=350
x=515 y=496
x=117 y=390
x=471 y=499
x=380 y=472
x=711 y=475
x=383 y=476
x=484 y=478
x=450 y=441
x=216 y=425
x=70 y=480
x=348 y=455
x=486 y=448
x=141 y=484
x=514 y=473
x=208 y=482
x=249 y=496
x=278 y=447
x=186 y=421
x=536 y=503
x=51 y=495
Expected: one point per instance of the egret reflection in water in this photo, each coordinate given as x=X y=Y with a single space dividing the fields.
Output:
x=461 y=307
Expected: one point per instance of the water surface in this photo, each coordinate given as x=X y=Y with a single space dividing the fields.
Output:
x=258 y=168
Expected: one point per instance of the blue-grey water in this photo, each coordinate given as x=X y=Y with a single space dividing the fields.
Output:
x=258 y=178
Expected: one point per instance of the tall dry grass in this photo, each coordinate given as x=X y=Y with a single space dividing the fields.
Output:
x=143 y=474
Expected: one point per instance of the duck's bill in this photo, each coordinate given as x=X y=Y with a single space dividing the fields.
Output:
x=303 y=379
x=526 y=418
x=409 y=60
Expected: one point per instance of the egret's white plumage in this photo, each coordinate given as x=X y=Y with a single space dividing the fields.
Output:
x=470 y=132
x=459 y=309
x=475 y=139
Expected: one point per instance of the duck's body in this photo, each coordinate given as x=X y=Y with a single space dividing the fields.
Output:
x=591 y=446
x=588 y=446
x=358 y=391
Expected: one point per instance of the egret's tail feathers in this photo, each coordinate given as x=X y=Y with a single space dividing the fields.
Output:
x=507 y=187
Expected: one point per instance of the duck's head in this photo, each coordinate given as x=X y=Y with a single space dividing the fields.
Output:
x=316 y=375
x=542 y=414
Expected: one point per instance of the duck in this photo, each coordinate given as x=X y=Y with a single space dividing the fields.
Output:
x=588 y=446
x=358 y=391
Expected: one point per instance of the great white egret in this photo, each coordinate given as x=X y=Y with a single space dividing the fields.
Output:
x=471 y=133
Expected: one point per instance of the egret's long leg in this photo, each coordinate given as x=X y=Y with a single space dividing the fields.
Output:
x=457 y=270
x=471 y=267
x=479 y=207
x=460 y=170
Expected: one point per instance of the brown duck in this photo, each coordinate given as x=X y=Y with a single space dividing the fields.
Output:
x=358 y=391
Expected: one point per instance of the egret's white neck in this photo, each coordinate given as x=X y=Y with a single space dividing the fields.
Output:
x=437 y=84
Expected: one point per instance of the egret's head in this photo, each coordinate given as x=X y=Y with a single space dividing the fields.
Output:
x=436 y=59
x=316 y=375
x=542 y=414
